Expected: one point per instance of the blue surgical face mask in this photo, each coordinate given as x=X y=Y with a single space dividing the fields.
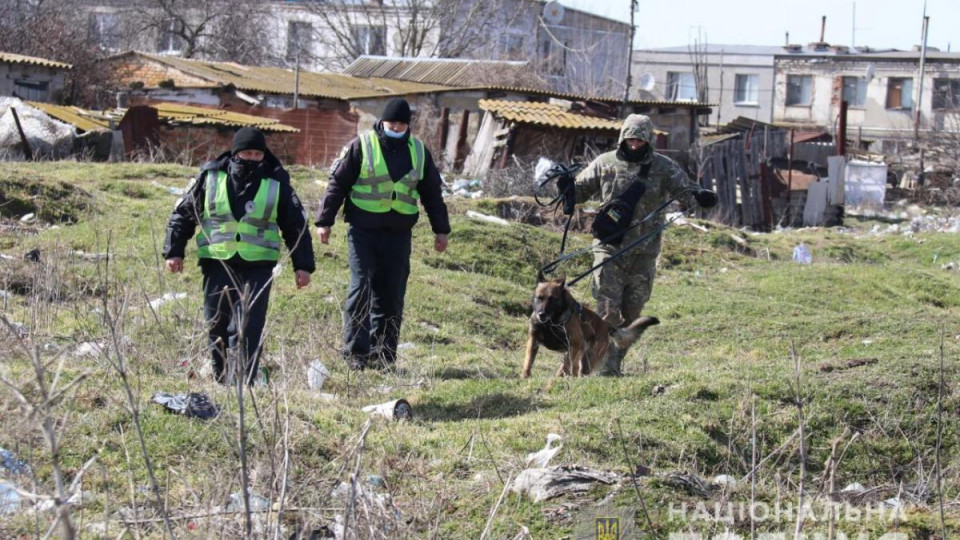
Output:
x=394 y=134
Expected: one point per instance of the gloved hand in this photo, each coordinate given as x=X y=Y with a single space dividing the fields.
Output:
x=705 y=198
x=566 y=188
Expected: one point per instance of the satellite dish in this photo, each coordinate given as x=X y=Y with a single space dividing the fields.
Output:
x=869 y=73
x=553 y=12
x=646 y=81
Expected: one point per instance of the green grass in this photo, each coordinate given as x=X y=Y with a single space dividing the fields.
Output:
x=731 y=322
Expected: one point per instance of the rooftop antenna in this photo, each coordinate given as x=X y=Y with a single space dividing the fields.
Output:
x=553 y=12
x=853 y=28
x=823 y=27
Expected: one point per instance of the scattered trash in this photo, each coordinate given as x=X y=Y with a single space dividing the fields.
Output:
x=10 y=462
x=543 y=457
x=21 y=330
x=949 y=266
x=855 y=487
x=465 y=188
x=801 y=254
x=33 y=255
x=257 y=502
x=317 y=373
x=169 y=189
x=543 y=484
x=168 y=297
x=376 y=481
x=398 y=409
x=277 y=270
x=894 y=502
x=9 y=499
x=91 y=349
x=406 y=345
x=27 y=218
x=724 y=481
x=192 y=405
x=322 y=533
x=485 y=218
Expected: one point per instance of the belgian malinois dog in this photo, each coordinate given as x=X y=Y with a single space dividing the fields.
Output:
x=562 y=324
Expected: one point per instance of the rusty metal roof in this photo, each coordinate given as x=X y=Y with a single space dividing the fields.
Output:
x=171 y=113
x=10 y=58
x=83 y=119
x=444 y=71
x=274 y=80
x=546 y=114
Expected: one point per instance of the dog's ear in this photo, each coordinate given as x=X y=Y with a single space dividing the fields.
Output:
x=540 y=277
x=562 y=280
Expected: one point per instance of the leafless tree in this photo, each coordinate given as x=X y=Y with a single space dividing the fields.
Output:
x=408 y=28
x=234 y=30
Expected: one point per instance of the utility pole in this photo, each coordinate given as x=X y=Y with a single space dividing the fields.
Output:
x=923 y=58
x=633 y=31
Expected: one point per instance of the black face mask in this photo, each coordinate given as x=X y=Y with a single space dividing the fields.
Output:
x=633 y=156
x=244 y=170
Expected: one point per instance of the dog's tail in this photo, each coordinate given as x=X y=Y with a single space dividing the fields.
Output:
x=624 y=337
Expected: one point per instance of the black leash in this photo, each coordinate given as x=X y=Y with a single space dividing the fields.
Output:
x=551 y=266
x=566 y=199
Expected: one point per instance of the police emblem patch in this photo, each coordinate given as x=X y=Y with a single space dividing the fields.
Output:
x=249 y=206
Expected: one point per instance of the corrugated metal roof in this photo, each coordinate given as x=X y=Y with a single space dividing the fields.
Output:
x=176 y=113
x=546 y=114
x=201 y=116
x=274 y=80
x=10 y=58
x=83 y=119
x=445 y=71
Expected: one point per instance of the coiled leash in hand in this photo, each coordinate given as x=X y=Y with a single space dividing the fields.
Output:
x=566 y=192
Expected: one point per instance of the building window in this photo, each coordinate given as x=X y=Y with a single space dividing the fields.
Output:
x=681 y=86
x=32 y=90
x=298 y=39
x=553 y=53
x=900 y=93
x=855 y=91
x=799 y=89
x=745 y=90
x=371 y=40
x=946 y=94
x=511 y=46
x=104 y=30
x=169 y=39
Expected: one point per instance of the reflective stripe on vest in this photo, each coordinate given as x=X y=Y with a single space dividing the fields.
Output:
x=375 y=191
x=256 y=237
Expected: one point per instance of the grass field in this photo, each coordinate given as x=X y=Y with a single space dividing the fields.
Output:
x=858 y=338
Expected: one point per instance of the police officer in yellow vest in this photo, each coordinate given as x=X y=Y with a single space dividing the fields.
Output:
x=381 y=178
x=243 y=203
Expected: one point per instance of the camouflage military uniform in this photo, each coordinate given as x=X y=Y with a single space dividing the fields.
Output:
x=623 y=286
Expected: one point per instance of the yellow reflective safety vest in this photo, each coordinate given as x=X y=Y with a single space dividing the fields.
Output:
x=374 y=191
x=256 y=237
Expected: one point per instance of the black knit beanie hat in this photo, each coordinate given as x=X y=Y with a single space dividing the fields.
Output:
x=397 y=110
x=248 y=138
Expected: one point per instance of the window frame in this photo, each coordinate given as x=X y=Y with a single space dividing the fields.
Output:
x=904 y=83
x=859 y=89
x=791 y=99
x=678 y=82
x=303 y=43
x=949 y=97
x=741 y=94
x=367 y=36
x=167 y=41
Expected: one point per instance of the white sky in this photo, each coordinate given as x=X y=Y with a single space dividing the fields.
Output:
x=879 y=23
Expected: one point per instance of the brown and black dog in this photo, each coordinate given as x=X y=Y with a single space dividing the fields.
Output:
x=562 y=324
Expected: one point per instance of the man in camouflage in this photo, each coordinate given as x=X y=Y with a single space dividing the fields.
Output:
x=622 y=286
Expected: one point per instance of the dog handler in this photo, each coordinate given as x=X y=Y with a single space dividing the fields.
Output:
x=243 y=202
x=381 y=178
x=636 y=178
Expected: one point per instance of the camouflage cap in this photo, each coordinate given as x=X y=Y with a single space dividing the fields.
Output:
x=637 y=126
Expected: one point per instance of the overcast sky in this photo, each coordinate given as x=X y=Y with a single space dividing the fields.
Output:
x=879 y=23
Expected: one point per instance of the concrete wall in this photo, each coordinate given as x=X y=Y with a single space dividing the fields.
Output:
x=873 y=120
x=722 y=69
x=38 y=83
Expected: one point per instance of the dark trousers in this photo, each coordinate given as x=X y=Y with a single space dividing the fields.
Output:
x=379 y=268
x=235 y=306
